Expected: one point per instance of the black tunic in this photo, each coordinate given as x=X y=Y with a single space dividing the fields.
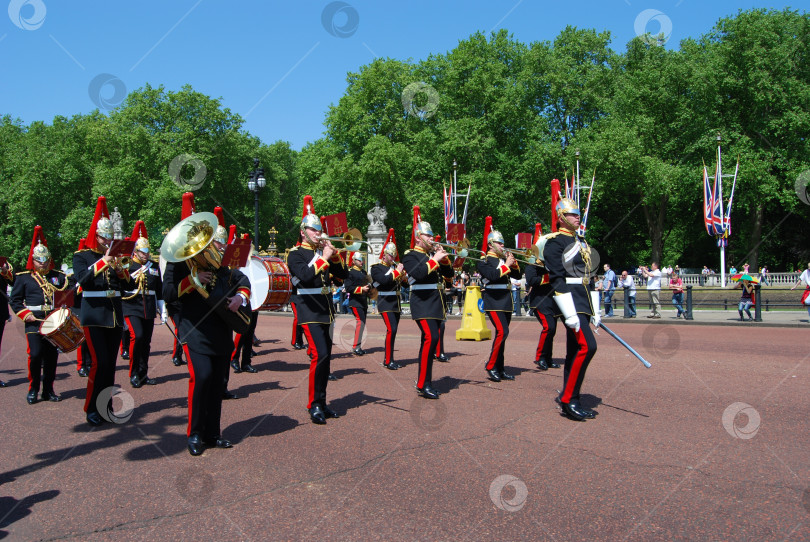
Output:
x=355 y=280
x=495 y=276
x=28 y=292
x=425 y=277
x=94 y=276
x=386 y=279
x=144 y=304
x=200 y=327
x=541 y=295
x=311 y=276
x=567 y=259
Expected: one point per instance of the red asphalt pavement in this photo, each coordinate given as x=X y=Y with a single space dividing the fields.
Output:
x=711 y=443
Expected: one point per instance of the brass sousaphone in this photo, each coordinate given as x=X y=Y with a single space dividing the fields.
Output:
x=192 y=240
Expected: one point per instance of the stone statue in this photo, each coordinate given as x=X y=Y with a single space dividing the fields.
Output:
x=117 y=224
x=376 y=218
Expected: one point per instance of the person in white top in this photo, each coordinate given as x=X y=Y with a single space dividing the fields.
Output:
x=627 y=282
x=653 y=276
x=805 y=278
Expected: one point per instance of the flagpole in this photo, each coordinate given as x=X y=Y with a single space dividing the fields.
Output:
x=455 y=190
x=719 y=179
x=576 y=184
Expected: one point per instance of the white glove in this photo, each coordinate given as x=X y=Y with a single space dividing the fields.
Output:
x=566 y=303
x=161 y=306
x=596 y=319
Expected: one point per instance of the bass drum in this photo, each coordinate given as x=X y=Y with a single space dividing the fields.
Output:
x=270 y=284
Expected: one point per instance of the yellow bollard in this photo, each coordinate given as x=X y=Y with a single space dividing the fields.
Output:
x=473 y=325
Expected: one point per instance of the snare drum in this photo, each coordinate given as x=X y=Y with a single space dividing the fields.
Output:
x=63 y=330
x=270 y=285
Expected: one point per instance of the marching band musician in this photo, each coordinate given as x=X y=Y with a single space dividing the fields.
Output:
x=357 y=287
x=387 y=275
x=6 y=279
x=297 y=340
x=242 y=342
x=205 y=336
x=311 y=265
x=496 y=270
x=102 y=279
x=447 y=299
x=140 y=306
x=568 y=260
x=425 y=274
x=32 y=300
x=541 y=299
x=82 y=353
x=186 y=210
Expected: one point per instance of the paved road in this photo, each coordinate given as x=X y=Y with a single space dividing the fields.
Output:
x=711 y=443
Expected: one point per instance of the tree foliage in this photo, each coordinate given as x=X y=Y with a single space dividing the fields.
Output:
x=511 y=114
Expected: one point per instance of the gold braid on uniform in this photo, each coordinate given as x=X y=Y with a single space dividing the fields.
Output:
x=47 y=288
x=585 y=253
x=141 y=282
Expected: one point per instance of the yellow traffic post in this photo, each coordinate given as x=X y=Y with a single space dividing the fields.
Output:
x=473 y=325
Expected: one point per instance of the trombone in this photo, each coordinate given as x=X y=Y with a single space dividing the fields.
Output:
x=527 y=256
x=352 y=240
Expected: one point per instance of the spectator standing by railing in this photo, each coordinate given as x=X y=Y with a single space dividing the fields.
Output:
x=805 y=278
x=763 y=276
x=628 y=282
x=676 y=285
x=653 y=276
x=608 y=286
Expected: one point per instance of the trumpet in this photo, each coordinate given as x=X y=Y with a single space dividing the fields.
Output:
x=352 y=240
x=462 y=247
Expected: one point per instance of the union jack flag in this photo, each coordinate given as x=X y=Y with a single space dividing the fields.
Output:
x=708 y=202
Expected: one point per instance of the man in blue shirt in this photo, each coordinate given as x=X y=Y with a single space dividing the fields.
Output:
x=608 y=287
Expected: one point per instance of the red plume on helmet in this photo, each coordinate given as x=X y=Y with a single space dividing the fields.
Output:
x=487 y=230
x=538 y=231
x=231 y=233
x=82 y=245
x=101 y=212
x=139 y=231
x=390 y=239
x=188 y=206
x=309 y=206
x=220 y=215
x=417 y=217
x=39 y=237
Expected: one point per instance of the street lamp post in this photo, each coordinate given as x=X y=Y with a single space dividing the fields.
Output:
x=256 y=182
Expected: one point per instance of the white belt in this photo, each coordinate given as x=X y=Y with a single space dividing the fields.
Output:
x=424 y=287
x=38 y=307
x=105 y=293
x=135 y=292
x=496 y=286
x=386 y=293
x=573 y=280
x=310 y=291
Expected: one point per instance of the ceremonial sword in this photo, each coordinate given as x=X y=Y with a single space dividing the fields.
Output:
x=623 y=343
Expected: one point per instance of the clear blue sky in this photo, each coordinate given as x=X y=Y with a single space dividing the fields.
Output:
x=278 y=64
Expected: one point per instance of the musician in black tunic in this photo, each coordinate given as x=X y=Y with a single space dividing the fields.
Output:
x=206 y=337
x=387 y=276
x=311 y=266
x=426 y=276
x=103 y=280
x=567 y=259
x=6 y=279
x=141 y=305
x=541 y=299
x=496 y=270
x=357 y=286
x=32 y=300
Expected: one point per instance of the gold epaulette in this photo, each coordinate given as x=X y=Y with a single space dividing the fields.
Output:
x=407 y=251
x=294 y=248
x=26 y=272
x=82 y=250
x=551 y=235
